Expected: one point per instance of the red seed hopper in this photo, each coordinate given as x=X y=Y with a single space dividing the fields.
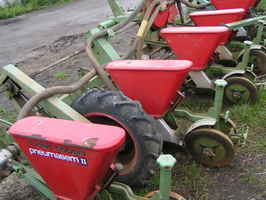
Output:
x=217 y=17
x=194 y=43
x=155 y=83
x=69 y=151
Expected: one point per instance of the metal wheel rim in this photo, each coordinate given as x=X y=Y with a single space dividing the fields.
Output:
x=226 y=126
x=199 y=143
x=128 y=155
x=257 y=58
x=239 y=90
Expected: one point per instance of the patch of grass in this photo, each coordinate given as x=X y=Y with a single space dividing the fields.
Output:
x=188 y=180
x=251 y=114
x=261 y=7
x=61 y=75
x=7 y=115
x=151 y=185
x=255 y=144
x=29 y=6
x=195 y=106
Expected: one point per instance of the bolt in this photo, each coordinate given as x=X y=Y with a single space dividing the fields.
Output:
x=237 y=95
x=208 y=152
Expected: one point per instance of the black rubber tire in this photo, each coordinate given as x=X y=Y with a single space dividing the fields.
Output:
x=143 y=142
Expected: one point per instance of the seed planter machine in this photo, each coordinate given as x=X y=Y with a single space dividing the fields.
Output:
x=139 y=96
x=230 y=18
x=239 y=69
x=124 y=112
x=248 y=68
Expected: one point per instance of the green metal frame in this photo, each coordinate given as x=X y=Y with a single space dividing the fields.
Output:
x=241 y=68
x=5 y=137
x=212 y=118
x=166 y=163
x=33 y=178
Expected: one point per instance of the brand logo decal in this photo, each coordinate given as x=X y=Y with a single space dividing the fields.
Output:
x=48 y=149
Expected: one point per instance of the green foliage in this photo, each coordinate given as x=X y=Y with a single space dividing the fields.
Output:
x=187 y=175
x=151 y=185
x=28 y=6
x=7 y=114
x=190 y=176
x=196 y=106
x=261 y=7
x=61 y=75
x=253 y=114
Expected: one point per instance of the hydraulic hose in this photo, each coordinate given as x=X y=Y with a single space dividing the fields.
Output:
x=37 y=98
x=102 y=33
x=181 y=13
x=188 y=4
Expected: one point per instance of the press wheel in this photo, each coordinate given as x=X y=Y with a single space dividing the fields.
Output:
x=239 y=90
x=173 y=196
x=225 y=126
x=210 y=147
x=254 y=33
x=257 y=58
